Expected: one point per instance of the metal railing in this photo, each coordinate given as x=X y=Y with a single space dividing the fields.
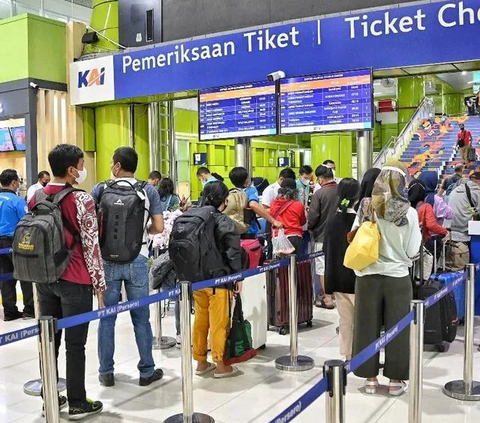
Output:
x=396 y=145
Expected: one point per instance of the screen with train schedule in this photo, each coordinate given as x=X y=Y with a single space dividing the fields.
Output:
x=339 y=101
x=246 y=110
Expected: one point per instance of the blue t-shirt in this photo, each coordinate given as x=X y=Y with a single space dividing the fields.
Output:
x=252 y=195
x=12 y=209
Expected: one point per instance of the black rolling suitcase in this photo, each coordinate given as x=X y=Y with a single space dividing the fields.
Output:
x=441 y=319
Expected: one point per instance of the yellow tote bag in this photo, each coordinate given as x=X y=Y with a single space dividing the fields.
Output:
x=363 y=251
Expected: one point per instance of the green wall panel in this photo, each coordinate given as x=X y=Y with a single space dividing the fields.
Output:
x=336 y=147
x=112 y=125
x=141 y=142
x=89 y=129
x=411 y=92
x=14 y=51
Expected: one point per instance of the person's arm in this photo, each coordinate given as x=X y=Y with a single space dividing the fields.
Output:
x=87 y=221
x=314 y=212
x=21 y=208
x=414 y=240
x=442 y=209
x=267 y=197
x=263 y=212
x=156 y=212
x=430 y=221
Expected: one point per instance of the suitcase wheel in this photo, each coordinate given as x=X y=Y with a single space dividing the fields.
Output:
x=440 y=348
x=262 y=347
x=310 y=324
x=283 y=331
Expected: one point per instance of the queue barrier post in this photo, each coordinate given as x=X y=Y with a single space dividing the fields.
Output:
x=467 y=389
x=417 y=327
x=160 y=342
x=336 y=374
x=34 y=387
x=48 y=365
x=293 y=362
x=188 y=415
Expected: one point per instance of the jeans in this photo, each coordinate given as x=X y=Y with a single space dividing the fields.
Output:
x=135 y=277
x=64 y=299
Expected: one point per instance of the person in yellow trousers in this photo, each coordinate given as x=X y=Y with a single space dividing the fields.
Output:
x=212 y=305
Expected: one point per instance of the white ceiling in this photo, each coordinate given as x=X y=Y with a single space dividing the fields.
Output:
x=458 y=80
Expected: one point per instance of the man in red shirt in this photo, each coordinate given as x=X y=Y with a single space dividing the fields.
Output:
x=464 y=142
x=73 y=294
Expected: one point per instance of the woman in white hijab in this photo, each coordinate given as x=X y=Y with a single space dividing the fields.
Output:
x=383 y=290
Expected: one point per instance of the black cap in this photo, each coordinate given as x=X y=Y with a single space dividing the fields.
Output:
x=475 y=175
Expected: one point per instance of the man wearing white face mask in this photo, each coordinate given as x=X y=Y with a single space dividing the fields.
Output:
x=72 y=294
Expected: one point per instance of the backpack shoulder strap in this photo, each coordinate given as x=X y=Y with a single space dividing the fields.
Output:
x=57 y=199
x=469 y=196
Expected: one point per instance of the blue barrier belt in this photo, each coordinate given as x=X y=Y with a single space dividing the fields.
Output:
x=18 y=335
x=5 y=251
x=79 y=319
x=302 y=403
x=6 y=277
x=452 y=281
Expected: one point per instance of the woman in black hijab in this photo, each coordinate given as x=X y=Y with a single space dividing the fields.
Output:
x=366 y=187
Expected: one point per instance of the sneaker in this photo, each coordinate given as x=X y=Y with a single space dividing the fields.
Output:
x=62 y=403
x=157 y=375
x=28 y=316
x=89 y=408
x=179 y=341
x=12 y=317
x=107 y=380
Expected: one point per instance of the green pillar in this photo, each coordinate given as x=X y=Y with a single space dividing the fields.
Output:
x=453 y=104
x=141 y=141
x=411 y=92
x=105 y=21
x=112 y=127
x=336 y=147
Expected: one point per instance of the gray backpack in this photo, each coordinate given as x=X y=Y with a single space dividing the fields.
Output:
x=40 y=254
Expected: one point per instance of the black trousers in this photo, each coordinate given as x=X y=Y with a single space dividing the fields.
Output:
x=9 y=288
x=65 y=299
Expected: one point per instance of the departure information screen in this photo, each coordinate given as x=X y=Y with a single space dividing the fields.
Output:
x=340 y=101
x=246 y=110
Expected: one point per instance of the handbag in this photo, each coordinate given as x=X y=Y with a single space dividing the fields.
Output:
x=364 y=249
x=426 y=264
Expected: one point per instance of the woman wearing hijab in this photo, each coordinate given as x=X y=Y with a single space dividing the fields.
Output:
x=383 y=290
x=441 y=209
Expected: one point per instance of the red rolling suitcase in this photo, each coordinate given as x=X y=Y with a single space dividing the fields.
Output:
x=278 y=296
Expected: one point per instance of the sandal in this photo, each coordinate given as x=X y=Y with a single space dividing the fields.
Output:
x=371 y=387
x=210 y=368
x=401 y=388
x=322 y=304
x=233 y=373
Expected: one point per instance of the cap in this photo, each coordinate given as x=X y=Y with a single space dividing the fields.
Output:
x=475 y=175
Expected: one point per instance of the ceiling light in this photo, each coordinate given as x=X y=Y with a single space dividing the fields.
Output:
x=464 y=73
x=471 y=82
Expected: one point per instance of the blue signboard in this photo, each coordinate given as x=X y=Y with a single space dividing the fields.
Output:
x=410 y=35
x=340 y=101
x=247 y=110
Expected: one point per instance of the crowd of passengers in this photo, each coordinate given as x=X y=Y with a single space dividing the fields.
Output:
x=315 y=211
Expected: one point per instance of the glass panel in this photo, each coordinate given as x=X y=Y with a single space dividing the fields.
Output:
x=5 y=9
x=183 y=171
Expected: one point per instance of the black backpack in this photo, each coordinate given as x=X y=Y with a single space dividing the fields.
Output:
x=121 y=220
x=192 y=246
x=40 y=254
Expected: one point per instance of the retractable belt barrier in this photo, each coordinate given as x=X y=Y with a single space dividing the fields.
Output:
x=453 y=280
x=295 y=409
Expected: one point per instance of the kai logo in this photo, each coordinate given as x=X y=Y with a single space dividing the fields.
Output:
x=91 y=77
x=25 y=244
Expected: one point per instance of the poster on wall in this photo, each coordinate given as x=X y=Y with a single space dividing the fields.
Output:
x=246 y=110
x=18 y=137
x=338 y=101
x=6 y=143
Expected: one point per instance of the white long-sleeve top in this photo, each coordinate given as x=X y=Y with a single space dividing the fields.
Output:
x=398 y=244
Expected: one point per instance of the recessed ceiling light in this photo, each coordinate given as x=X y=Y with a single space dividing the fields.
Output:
x=464 y=72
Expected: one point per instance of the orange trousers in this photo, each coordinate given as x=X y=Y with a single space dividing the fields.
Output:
x=212 y=312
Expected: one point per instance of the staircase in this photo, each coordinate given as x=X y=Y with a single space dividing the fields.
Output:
x=432 y=146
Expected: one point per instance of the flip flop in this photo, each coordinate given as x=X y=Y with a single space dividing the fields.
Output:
x=210 y=368
x=233 y=373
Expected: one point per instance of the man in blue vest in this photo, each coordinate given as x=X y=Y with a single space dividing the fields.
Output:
x=12 y=209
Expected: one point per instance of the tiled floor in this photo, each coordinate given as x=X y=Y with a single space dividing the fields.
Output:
x=256 y=396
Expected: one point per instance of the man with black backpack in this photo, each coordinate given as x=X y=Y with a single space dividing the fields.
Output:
x=125 y=207
x=56 y=247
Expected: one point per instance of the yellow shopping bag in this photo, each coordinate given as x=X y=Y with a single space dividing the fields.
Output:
x=363 y=251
